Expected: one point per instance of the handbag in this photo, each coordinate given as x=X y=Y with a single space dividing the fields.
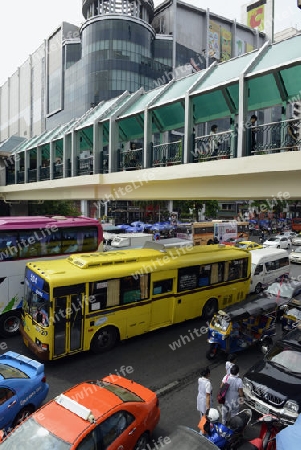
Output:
x=221 y=396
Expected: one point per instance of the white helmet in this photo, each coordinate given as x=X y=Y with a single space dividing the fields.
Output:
x=213 y=415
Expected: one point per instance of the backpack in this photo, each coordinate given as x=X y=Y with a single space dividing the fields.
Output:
x=221 y=396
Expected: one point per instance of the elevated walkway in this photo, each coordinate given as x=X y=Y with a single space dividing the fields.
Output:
x=91 y=157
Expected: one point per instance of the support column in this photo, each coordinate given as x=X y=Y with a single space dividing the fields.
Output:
x=97 y=146
x=147 y=138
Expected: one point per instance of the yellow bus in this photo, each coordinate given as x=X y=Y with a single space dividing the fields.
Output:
x=218 y=231
x=91 y=301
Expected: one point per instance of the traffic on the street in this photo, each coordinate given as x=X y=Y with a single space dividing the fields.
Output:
x=168 y=362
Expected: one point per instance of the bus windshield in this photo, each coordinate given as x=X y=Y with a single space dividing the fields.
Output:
x=27 y=238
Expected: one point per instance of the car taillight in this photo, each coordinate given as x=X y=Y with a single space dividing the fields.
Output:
x=43 y=380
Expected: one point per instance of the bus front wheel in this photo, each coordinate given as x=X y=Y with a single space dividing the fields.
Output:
x=210 y=309
x=9 y=323
x=104 y=340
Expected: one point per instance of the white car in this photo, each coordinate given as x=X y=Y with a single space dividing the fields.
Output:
x=295 y=256
x=297 y=240
x=289 y=234
x=277 y=242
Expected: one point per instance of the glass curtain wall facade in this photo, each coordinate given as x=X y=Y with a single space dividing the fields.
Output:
x=122 y=45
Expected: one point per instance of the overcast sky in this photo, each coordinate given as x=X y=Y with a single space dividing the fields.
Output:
x=26 y=23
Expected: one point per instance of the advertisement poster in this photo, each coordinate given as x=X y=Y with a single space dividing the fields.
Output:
x=214 y=40
x=249 y=48
x=239 y=47
x=226 y=44
x=255 y=15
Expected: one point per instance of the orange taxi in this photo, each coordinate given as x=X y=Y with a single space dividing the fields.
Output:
x=111 y=413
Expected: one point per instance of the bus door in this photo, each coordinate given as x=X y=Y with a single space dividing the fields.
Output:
x=68 y=324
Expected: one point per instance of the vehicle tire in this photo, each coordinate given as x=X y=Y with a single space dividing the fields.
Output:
x=104 y=340
x=212 y=352
x=258 y=288
x=25 y=412
x=9 y=323
x=266 y=344
x=142 y=442
x=210 y=309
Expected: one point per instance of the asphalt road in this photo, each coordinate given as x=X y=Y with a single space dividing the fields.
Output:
x=168 y=361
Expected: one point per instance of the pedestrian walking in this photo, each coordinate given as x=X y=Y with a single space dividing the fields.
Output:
x=234 y=394
x=230 y=363
x=204 y=398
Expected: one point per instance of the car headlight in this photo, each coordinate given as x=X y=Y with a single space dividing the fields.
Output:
x=247 y=385
x=291 y=406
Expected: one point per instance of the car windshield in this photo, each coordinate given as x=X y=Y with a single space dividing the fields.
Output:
x=298 y=250
x=273 y=239
x=287 y=358
x=121 y=392
x=8 y=372
x=31 y=435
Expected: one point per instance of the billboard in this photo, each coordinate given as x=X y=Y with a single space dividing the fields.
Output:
x=255 y=14
x=226 y=44
x=214 y=40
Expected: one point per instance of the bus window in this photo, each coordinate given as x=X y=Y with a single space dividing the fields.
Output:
x=188 y=278
x=52 y=246
x=162 y=286
x=237 y=269
x=217 y=272
x=69 y=241
x=8 y=245
x=98 y=295
x=89 y=241
x=204 y=277
x=129 y=289
x=28 y=244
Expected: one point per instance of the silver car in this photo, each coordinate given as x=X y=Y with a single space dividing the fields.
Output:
x=296 y=240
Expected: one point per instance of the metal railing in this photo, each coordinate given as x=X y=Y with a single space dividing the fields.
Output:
x=167 y=154
x=214 y=146
x=263 y=139
x=275 y=137
x=131 y=159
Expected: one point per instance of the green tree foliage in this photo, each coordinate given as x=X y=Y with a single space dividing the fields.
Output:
x=55 y=207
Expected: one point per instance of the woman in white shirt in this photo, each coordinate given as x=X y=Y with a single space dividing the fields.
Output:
x=204 y=398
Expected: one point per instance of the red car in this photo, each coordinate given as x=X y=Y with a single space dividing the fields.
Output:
x=112 y=413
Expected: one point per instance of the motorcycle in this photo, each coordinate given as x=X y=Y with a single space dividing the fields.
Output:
x=270 y=426
x=224 y=437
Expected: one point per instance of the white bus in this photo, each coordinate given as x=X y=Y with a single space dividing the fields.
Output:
x=26 y=238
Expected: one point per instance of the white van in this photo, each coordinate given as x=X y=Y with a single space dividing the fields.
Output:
x=267 y=264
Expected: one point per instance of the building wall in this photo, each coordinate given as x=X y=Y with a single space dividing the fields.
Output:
x=75 y=69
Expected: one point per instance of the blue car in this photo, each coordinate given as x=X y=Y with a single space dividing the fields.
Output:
x=23 y=388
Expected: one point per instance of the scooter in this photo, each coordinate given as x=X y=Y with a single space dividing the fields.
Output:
x=226 y=438
x=270 y=426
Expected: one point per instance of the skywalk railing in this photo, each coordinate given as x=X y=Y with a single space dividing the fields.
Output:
x=214 y=146
x=262 y=139
x=130 y=159
x=276 y=137
x=167 y=154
